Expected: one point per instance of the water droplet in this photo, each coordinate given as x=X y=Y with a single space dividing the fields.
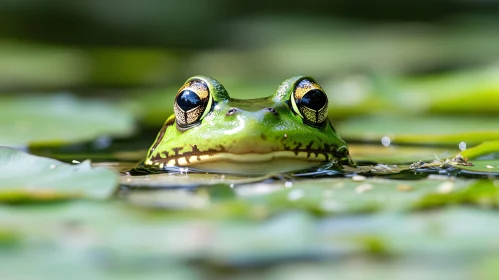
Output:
x=231 y=186
x=462 y=146
x=385 y=141
x=288 y=184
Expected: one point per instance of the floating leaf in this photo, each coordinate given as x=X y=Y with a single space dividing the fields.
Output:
x=59 y=119
x=466 y=91
x=482 y=193
x=421 y=130
x=25 y=178
x=341 y=196
x=491 y=166
x=393 y=154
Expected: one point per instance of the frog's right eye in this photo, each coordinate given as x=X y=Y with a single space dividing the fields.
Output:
x=192 y=103
x=310 y=102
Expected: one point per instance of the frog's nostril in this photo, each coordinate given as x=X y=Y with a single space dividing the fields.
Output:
x=231 y=111
x=272 y=110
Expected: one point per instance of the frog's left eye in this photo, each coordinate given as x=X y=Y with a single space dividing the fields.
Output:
x=192 y=103
x=310 y=102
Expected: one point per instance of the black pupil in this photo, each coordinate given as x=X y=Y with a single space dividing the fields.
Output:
x=188 y=100
x=314 y=99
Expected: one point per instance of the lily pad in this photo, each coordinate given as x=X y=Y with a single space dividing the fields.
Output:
x=27 y=178
x=421 y=130
x=470 y=91
x=318 y=196
x=491 y=166
x=482 y=149
x=342 y=196
x=59 y=119
x=393 y=154
x=81 y=233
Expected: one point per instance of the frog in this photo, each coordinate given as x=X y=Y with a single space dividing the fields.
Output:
x=212 y=132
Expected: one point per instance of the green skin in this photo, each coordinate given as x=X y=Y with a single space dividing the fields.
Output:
x=253 y=129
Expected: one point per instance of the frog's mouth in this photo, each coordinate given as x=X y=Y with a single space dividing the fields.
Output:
x=249 y=163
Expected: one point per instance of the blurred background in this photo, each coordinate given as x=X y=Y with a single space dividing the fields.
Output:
x=388 y=57
x=87 y=46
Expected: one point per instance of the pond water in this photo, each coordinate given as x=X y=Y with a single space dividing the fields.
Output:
x=391 y=218
x=422 y=198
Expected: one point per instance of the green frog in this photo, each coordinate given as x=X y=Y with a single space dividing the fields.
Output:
x=212 y=132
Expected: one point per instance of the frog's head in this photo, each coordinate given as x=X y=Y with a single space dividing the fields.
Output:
x=213 y=132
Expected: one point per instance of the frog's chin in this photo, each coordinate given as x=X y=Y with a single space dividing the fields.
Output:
x=251 y=163
x=247 y=168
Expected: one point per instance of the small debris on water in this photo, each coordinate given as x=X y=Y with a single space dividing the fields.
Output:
x=75 y=161
x=288 y=184
x=382 y=168
x=404 y=188
x=489 y=166
x=450 y=162
x=358 y=178
x=52 y=166
x=363 y=188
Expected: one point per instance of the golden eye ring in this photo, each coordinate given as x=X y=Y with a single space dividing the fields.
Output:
x=192 y=102
x=310 y=102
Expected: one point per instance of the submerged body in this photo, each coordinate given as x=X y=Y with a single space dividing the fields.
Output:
x=212 y=132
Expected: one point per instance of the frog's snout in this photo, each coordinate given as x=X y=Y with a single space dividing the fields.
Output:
x=232 y=111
